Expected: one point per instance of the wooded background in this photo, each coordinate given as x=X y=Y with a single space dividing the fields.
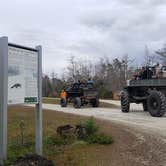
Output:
x=109 y=76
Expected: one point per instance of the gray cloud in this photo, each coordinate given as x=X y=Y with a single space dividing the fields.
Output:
x=84 y=28
x=127 y=26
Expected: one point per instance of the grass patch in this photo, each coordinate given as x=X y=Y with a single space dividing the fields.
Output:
x=99 y=139
x=15 y=149
x=49 y=100
x=62 y=150
x=58 y=141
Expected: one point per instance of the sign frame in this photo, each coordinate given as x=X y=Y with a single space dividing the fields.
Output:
x=4 y=97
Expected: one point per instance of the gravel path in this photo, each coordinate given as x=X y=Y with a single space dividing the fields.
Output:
x=136 y=118
x=149 y=131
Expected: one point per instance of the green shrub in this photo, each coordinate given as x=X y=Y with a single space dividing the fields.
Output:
x=91 y=127
x=92 y=135
x=99 y=139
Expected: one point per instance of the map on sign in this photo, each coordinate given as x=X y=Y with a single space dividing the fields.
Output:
x=22 y=75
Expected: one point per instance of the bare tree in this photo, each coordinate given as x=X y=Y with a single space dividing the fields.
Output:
x=79 y=69
x=162 y=53
x=71 y=68
x=150 y=59
x=46 y=86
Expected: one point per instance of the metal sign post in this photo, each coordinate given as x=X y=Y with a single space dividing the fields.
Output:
x=3 y=97
x=39 y=117
x=20 y=82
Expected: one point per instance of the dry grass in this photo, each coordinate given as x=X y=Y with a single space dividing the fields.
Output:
x=49 y=100
x=121 y=153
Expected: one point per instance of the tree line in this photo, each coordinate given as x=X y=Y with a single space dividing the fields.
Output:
x=109 y=76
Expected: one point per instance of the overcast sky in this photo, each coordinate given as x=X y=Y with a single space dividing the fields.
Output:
x=84 y=28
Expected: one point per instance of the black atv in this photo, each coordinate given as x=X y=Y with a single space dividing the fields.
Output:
x=81 y=94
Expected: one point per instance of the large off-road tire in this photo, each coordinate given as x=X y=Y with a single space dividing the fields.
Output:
x=63 y=102
x=95 y=102
x=77 y=102
x=156 y=103
x=145 y=106
x=125 y=103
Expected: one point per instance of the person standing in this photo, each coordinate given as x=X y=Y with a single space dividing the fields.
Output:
x=158 y=70
x=63 y=100
x=90 y=83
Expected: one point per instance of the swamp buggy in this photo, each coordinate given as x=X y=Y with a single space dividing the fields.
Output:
x=150 y=92
x=80 y=95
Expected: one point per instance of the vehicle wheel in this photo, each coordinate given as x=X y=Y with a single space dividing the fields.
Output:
x=156 y=103
x=125 y=104
x=95 y=102
x=145 y=106
x=63 y=103
x=77 y=102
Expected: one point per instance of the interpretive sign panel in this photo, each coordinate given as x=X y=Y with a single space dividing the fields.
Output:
x=22 y=75
x=20 y=82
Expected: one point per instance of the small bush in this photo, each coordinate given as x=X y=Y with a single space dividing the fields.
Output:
x=15 y=149
x=48 y=140
x=92 y=135
x=91 y=127
x=99 y=139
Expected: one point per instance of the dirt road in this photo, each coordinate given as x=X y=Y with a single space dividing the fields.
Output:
x=149 y=146
x=150 y=132
x=136 y=118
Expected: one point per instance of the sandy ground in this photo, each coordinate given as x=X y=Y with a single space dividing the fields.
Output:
x=149 y=131
x=136 y=118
